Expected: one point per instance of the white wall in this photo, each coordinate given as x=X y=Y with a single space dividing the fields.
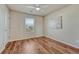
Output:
x=70 y=21
x=4 y=26
x=17 y=27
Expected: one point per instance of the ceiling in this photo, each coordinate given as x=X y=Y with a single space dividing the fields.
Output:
x=30 y=8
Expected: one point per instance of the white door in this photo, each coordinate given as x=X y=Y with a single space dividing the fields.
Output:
x=3 y=26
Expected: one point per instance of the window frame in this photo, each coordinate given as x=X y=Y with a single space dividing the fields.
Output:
x=30 y=17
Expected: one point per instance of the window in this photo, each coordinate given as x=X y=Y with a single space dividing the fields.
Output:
x=29 y=24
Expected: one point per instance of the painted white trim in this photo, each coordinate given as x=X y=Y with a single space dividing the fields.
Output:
x=49 y=36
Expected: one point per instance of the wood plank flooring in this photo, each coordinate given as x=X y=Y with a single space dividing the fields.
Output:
x=40 y=45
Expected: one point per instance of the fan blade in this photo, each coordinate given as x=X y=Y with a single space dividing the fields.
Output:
x=29 y=7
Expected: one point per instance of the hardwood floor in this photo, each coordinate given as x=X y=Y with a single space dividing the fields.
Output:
x=40 y=45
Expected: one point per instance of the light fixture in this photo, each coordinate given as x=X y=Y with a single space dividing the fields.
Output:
x=37 y=8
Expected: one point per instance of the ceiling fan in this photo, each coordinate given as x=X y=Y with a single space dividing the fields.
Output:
x=36 y=6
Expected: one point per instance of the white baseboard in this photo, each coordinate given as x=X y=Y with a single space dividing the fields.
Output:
x=61 y=41
x=24 y=38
